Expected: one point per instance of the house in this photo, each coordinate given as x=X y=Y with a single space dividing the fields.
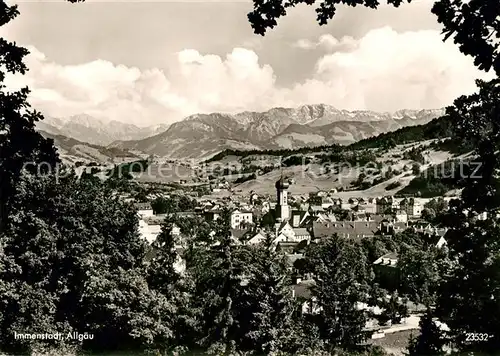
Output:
x=326 y=202
x=379 y=218
x=212 y=214
x=315 y=209
x=315 y=199
x=239 y=235
x=441 y=242
x=144 y=209
x=324 y=218
x=179 y=264
x=401 y=216
x=430 y=230
x=291 y=258
x=149 y=232
x=302 y=292
x=386 y=271
x=383 y=204
x=390 y=227
x=256 y=239
x=346 y=229
x=266 y=207
x=286 y=247
x=389 y=259
x=241 y=219
x=412 y=206
x=298 y=217
x=286 y=233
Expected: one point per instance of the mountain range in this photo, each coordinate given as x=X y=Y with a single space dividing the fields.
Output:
x=95 y=131
x=203 y=135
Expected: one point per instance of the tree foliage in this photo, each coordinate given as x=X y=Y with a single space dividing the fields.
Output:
x=22 y=149
x=342 y=280
x=430 y=341
x=76 y=261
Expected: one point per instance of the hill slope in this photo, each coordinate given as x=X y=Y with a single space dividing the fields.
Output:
x=71 y=151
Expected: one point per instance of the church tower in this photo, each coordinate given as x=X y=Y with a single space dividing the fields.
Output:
x=282 y=208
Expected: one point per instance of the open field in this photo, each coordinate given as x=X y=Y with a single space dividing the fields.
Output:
x=165 y=173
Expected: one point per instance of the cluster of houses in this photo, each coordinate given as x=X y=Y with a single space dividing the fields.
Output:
x=319 y=216
x=293 y=223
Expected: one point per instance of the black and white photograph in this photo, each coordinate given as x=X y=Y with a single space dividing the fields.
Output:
x=250 y=177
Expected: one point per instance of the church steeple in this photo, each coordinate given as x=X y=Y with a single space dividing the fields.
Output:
x=282 y=208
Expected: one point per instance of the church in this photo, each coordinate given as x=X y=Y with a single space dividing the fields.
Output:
x=289 y=226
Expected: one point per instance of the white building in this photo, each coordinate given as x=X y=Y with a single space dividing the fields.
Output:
x=257 y=239
x=240 y=218
x=144 y=209
x=286 y=233
x=401 y=216
x=149 y=232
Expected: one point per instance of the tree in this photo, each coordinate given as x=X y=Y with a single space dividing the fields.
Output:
x=430 y=341
x=76 y=264
x=428 y=214
x=469 y=291
x=474 y=24
x=267 y=304
x=342 y=277
x=420 y=274
x=22 y=149
x=216 y=273
x=268 y=220
x=161 y=206
x=360 y=179
x=477 y=122
x=164 y=278
x=438 y=205
x=394 y=309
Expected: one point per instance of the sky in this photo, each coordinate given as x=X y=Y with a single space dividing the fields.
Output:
x=148 y=63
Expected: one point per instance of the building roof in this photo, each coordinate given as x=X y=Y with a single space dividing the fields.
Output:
x=282 y=183
x=300 y=231
x=299 y=213
x=143 y=206
x=380 y=218
x=350 y=228
x=239 y=233
x=241 y=211
x=389 y=259
x=154 y=220
x=258 y=236
x=182 y=214
x=281 y=225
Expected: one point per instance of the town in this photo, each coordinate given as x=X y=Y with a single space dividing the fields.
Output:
x=293 y=222
x=231 y=179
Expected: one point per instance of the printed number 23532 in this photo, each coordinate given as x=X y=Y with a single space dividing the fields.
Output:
x=474 y=337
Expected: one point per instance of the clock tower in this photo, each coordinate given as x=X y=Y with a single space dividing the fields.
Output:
x=282 y=208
